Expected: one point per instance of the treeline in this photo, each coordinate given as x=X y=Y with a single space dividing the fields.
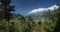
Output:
x=12 y=22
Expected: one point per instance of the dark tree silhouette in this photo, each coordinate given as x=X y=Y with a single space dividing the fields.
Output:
x=57 y=28
x=6 y=9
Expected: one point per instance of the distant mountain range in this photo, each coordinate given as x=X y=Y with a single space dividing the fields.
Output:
x=42 y=12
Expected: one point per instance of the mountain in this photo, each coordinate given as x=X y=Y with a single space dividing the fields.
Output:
x=42 y=12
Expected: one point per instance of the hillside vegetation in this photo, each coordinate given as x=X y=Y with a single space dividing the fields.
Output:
x=13 y=22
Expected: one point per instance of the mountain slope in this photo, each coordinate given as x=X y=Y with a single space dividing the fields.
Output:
x=42 y=12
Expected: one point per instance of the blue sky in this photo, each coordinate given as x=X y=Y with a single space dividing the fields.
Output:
x=25 y=6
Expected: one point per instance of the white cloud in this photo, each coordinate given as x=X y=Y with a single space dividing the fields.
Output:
x=44 y=9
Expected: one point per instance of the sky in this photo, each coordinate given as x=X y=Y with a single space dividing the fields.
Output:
x=25 y=6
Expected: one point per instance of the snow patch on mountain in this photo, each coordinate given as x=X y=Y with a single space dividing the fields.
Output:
x=44 y=9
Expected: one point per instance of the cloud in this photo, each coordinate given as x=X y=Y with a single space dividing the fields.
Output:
x=44 y=9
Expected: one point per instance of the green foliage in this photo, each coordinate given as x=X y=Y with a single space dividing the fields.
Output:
x=5 y=16
x=6 y=9
x=12 y=22
x=57 y=28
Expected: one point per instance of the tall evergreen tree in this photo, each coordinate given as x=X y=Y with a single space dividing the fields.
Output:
x=6 y=9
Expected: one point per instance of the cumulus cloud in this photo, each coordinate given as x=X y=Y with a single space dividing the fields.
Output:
x=44 y=9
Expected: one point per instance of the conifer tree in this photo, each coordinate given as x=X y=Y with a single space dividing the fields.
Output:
x=6 y=9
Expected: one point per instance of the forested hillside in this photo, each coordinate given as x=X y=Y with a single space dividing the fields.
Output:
x=14 y=22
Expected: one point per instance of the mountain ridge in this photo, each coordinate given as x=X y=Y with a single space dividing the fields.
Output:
x=42 y=12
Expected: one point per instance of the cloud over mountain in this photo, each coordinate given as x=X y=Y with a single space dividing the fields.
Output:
x=44 y=9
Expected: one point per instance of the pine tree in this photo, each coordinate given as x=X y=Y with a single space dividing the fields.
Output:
x=6 y=9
